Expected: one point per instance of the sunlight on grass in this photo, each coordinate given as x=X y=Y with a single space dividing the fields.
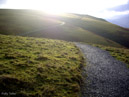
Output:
x=39 y=67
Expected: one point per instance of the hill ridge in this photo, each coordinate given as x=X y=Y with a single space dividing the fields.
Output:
x=14 y=22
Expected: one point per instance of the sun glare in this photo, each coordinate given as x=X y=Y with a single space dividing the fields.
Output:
x=65 y=6
x=49 y=6
x=54 y=7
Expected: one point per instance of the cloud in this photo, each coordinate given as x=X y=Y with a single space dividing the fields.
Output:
x=85 y=5
x=121 y=7
x=2 y=2
x=98 y=8
x=111 y=14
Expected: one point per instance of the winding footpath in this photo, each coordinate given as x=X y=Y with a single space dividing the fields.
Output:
x=104 y=76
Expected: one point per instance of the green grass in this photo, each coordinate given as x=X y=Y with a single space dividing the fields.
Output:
x=35 y=67
x=121 y=54
x=80 y=28
x=101 y=28
x=73 y=33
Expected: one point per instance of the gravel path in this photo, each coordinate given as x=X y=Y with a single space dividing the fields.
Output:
x=106 y=76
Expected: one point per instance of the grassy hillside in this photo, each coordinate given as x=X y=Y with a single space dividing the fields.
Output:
x=101 y=28
x=35 y=67
x=73 y=33
x=21 y=21
x=79 y=28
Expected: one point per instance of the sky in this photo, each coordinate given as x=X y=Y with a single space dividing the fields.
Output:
x=115 y=11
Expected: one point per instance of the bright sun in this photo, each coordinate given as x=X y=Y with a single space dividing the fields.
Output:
x=48 y=6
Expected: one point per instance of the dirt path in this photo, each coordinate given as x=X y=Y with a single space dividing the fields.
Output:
x=106 y=76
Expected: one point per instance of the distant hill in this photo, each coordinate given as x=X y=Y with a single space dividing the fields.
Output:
x=71 y=27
